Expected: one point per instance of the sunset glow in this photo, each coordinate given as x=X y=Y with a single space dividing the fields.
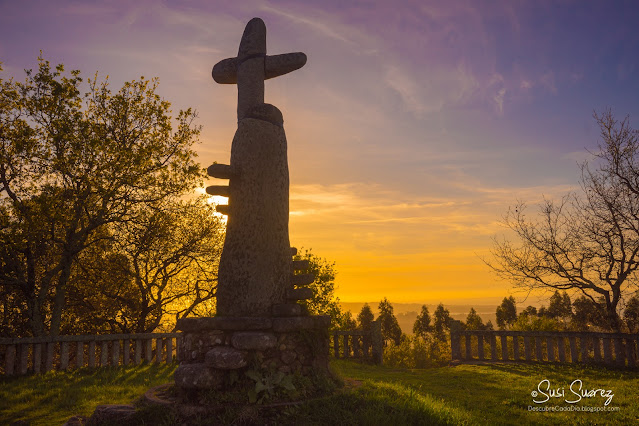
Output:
x=411 y=129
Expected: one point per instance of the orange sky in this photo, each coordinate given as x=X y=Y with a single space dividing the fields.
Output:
x=411 y=129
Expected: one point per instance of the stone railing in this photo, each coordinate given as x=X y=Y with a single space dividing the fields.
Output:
x=359 y=344
x=576 y=347
x=42 y=354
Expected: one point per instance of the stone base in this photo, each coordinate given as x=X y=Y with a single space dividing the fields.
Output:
x=214 y=350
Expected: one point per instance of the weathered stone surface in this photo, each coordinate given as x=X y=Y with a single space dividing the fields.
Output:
x=302 y=279
x=276 y=65
x=224 y=323
x=111 y=414
x=299 y=294
x=293 y=251
x=255 y=263
x=253 y=340
x=284 y=325
x=266 y=112
x=197 y=376
x=288 y=357
x=287 y=310
x=226 y=358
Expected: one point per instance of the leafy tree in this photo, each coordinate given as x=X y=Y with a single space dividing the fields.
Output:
x=441 y=322
x=506 y=312
x=422 y=323
x=489 y=326
x=474 y=321
x=347 y=321
x=560 y=306
x=365 y=317
x=389 y=325
x=529 y=311
x=72 y=164
x=587 y=313
x=631 y=314
x=324 y=301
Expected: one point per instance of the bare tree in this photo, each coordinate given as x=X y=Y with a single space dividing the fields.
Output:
x=587 y=242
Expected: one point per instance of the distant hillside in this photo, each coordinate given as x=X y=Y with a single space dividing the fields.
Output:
x=406 y=313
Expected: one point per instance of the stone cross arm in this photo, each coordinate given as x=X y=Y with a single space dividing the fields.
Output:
x=225 y=71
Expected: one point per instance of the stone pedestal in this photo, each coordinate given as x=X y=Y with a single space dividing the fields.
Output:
x=211 y=348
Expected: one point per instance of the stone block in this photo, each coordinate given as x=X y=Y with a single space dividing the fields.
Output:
x=284 y=325
x=197 y=376
x=111 y=414
x=288 y=357
x=226 y=358
x=221 y=171
x=299 y=293
x=253 y=340
x=302 y=279
x=224 y=323
x=300 y=265
x=287 y=310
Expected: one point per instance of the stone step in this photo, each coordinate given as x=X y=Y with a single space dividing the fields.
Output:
x=299 y=294
x=222 y=209
x=302 y=279
x=300 y=265
x=221 y=171
x=220 y=190
x=197 y=376
x=223 y=323
x=226 y=358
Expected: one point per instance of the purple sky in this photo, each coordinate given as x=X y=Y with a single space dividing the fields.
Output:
x=412 y=128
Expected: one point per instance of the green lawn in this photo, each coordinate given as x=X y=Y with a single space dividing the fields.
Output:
x=466 y=394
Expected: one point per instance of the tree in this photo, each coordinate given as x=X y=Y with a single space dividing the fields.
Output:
x=506 y=312
x=631 y=314
x=474 y=321
x=365 y=317
x=165 y=268
x=560 y=306
x=529 y=311
x=586 y=242
x=422 y=323
x=587 y=313
x=389 y=325
x=72 y=164
x=324 y=301
x=441 y=322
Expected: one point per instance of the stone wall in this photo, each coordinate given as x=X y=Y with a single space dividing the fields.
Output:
x=211 y=348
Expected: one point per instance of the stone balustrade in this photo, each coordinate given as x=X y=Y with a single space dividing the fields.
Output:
x=42 y=354
x=617 y=349
x=359 y=344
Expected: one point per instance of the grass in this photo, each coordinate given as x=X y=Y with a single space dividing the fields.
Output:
x=466 y=394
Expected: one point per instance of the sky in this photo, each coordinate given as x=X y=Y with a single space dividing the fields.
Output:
x=412 y=128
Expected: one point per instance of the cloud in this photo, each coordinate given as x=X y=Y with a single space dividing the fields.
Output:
x=499 y=100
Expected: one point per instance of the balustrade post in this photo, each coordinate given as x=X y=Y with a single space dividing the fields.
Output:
x=607 y=352
x=596 y=349
x=583 y=341
x=92 y=354
x=24 y=358
x=148 y=355
x=516 y=347
x=561 y=349
x=48 y=364
x=37 y=358
x=169 y=350
x=619 y=352
x=480 y=346
x=115 y=354
x=79 y=355
x=527 y=353
x=574 y=357
x=538 y=345
x=138 y=351
x=64 y=355
x=504 y=347
x=104 y=354
x=126 y=355
x=10 y=360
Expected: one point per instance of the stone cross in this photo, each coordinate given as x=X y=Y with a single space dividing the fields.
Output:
x=252 y=66
x=255 y=273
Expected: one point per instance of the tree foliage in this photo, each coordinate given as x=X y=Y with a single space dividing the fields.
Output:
x=389 y=325
x=441 y=322
x=365 y=317
x=506 y=313
x=474 y=321
x=422 y=323
x=586 y=242
x=71 y=166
